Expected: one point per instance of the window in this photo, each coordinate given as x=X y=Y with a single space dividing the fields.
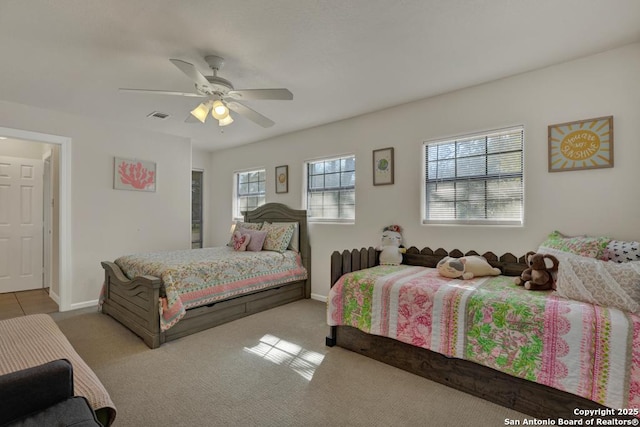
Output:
x=331 y=189
x=249 y=190
x=475 y=179
x=196 y=209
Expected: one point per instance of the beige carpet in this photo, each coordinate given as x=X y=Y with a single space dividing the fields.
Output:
x=269 y=369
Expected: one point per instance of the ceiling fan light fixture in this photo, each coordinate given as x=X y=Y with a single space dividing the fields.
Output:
x=219 y=111
x=226 y=121
x=201 y=111
x=222 y=92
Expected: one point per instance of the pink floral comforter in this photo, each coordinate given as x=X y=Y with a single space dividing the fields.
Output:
x=584 y=349
x=195 y=277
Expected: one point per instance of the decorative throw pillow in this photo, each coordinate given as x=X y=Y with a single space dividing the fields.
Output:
x=257 y=239
x=621 y=251
x=604 y=283
x=294 y=244
x=246 y=225
x=592 y=247
x=240 y=241
x=278 y=236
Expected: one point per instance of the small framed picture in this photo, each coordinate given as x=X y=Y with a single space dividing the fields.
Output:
x=584 y=144
x=133 y=174
x=282 y=179
x=383 y=166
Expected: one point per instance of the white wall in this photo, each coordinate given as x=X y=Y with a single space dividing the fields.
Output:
x=25 y=149
x=597 y=202
x=107 y=223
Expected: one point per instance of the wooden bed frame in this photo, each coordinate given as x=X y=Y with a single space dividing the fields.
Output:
x=534 y=399
x=134 y=303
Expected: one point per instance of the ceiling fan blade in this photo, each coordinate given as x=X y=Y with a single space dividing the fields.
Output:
x=191 y=72
x=162 y=92
x=250 y=114
x=277 y=94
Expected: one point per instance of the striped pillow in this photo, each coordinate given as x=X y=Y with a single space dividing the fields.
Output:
x=603 y=283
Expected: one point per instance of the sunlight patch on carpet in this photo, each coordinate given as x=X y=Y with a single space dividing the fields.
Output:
x=281 y=352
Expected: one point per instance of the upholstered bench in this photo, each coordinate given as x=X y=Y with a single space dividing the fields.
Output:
x=34 y=340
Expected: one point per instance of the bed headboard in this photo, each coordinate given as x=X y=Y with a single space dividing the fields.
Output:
x=278 y=212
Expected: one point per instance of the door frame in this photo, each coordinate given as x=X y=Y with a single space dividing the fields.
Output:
x=65 y=278
x=201 y=202
x=47 y=219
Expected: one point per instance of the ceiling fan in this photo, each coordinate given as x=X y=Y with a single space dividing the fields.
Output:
x=221 y=95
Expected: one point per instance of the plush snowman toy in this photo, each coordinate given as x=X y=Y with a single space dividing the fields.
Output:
x=390 y=250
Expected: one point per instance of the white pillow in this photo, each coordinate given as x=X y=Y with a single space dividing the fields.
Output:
x=622 y=251
x=603 y=283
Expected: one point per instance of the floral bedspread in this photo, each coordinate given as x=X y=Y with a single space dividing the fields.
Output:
x=195 y=277
x=584 y=349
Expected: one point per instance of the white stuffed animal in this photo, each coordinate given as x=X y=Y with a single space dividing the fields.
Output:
x=466 y=267
x=454 y=268
x=390 y=250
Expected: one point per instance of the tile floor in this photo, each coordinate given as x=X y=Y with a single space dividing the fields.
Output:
x=16 y=304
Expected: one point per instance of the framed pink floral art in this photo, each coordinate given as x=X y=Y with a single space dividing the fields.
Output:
x=132 y=174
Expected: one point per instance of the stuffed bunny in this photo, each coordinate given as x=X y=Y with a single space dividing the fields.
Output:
x=390 y=246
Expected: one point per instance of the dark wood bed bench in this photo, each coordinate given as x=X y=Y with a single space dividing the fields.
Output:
x=525 y=396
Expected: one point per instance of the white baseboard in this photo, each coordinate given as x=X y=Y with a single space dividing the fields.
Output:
x=55 y=297
x=319 y=297
x=85 y=304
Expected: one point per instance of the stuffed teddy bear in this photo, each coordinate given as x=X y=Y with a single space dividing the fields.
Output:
x=466 y=267
x=541 y=274
x=390 y=246
x=525 y=276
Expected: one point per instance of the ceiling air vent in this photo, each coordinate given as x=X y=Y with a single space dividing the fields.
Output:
x=158 y=115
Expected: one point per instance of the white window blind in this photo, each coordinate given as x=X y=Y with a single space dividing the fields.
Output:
x=475 y=179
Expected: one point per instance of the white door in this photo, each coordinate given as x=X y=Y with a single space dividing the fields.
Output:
x=20 y=224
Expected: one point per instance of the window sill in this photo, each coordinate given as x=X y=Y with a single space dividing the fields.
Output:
x=331 y=221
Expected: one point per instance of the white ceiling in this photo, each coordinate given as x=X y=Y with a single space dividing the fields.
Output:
x=340 y=58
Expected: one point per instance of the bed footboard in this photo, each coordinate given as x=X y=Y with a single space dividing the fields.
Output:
x=345 y=262
x=134 y=303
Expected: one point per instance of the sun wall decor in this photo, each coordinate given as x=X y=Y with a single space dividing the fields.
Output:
x=585 y=144
x=282 y=179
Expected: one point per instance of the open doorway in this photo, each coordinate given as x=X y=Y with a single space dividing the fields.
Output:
x=28 y=190
x=57 y=150
x=196 y=209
